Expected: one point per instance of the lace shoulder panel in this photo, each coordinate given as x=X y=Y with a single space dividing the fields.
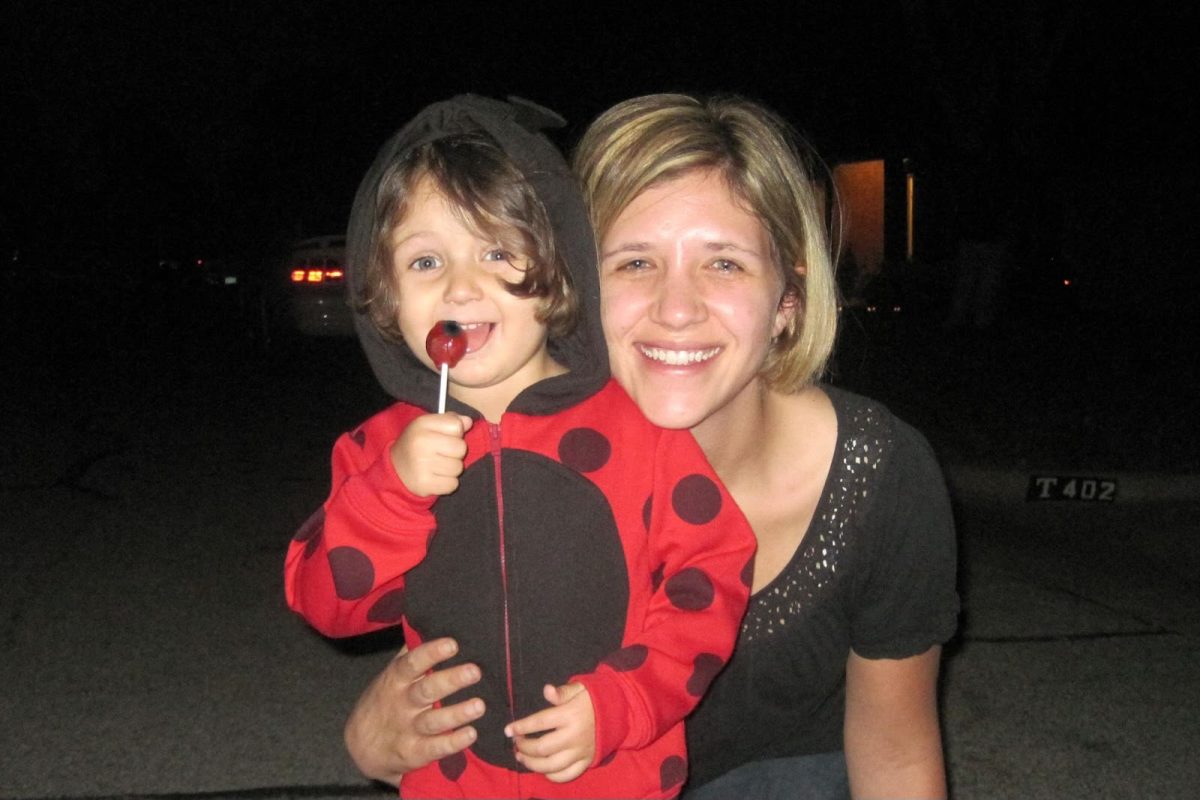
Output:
x=865 y=436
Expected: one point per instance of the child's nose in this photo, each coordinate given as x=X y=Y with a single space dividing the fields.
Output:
x=462 y=286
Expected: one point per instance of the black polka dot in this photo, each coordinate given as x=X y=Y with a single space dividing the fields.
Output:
x=627 y=658
x=657 y=576
x=359 y=437
x=389 y=608
x=353 y=572
x=584 y=449
x=671 y=772
x=704 y=668
x=747 y=575
x=313 y=544
x=696 y=499
x=311 y=532
x=690 y=589
x=646 y=509
x=453 y=766
x=312 y=526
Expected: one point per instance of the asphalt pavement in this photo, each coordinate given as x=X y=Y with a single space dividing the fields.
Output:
x=149 y=491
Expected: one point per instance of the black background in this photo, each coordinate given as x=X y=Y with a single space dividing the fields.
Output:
x=133 y=131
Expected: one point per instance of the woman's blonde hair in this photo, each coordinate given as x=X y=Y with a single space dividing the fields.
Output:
x=645 y=141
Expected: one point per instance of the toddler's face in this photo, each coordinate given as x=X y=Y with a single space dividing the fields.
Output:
x=445 y=270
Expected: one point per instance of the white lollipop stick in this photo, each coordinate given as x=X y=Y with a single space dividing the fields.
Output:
x=442 y=388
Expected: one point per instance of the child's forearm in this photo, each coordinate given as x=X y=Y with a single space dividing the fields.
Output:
x=651 y=684
x=344 y=569
x=703 y=549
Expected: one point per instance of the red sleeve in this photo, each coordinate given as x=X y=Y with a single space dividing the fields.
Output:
x=345 y=567
x=703 y=548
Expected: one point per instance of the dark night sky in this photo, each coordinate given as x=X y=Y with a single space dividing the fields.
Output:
x=147 y=126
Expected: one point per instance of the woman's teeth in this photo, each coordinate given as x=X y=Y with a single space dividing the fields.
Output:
x=678 y=357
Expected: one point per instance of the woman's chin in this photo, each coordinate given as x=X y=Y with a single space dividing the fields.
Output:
x=671 y=415
x=674 y=401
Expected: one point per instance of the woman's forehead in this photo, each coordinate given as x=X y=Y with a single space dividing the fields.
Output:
x=700 y=206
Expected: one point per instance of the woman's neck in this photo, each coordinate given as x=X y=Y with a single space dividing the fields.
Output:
x=734 y=437
x=760 y=439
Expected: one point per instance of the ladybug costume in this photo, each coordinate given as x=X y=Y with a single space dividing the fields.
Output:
x=583 y=544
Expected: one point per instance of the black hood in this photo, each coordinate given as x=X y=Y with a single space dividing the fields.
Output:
x=514 y=125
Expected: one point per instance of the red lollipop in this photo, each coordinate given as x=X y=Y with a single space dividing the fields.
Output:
x=445 y=344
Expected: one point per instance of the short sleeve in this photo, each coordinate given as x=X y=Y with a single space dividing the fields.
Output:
x=905 y=597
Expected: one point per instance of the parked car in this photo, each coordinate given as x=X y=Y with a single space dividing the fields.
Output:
x=307 y=295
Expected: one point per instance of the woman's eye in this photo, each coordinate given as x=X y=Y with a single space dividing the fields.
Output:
x=424 y=263
x=635 y=265
x=725 y=265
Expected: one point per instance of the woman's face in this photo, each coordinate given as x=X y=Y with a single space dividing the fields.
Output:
x=690 y=300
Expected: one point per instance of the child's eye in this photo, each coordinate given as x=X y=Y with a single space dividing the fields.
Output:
x=424 y=263
x=498 y=255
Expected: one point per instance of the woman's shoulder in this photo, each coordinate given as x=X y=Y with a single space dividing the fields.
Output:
x=870 y=431
x=864 y=412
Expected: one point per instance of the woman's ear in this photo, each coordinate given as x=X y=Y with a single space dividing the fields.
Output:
x=789 y=303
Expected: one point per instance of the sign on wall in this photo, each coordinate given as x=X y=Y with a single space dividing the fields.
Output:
x=1071 y=487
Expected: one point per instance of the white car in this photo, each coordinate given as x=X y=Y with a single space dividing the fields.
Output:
x=315 y=300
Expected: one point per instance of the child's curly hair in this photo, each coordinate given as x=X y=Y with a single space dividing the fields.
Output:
x=493 y=198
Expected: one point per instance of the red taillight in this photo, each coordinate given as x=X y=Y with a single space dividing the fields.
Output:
x=316 y=275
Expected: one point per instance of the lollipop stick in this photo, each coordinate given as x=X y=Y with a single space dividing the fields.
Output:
x=442 y=388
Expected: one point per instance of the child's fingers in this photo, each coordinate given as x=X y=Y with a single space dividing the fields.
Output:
x=552 y=755
x=548 y=765
x=444 y=466
x=559 y=740
x=554 y=751
x=558 y=695
x=545 y=720
x=444 y=444
x=443 y=432
x=454 y=426
x=568 y=773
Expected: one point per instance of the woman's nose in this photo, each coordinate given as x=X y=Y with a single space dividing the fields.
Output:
x=679 y=301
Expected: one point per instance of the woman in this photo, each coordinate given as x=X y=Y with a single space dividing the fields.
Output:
x=719 y=311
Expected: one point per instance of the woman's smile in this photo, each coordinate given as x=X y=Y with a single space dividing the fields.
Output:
x=690 y=300
x=676 y=357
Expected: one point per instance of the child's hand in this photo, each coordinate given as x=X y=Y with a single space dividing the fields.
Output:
x=429 y=455
x=569 y=744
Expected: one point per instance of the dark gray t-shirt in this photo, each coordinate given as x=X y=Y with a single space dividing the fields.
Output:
x=875 y=573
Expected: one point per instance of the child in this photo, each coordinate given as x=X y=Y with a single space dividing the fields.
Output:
x=590 y=563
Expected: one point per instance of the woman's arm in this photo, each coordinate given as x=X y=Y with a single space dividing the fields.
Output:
x=394 y=727
x=892 y=735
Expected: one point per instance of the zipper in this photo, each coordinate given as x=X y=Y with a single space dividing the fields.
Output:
x=494 y=441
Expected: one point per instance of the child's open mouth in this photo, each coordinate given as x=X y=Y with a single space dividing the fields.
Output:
x=477 y=334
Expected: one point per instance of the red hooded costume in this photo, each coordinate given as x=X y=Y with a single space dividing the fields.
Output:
x=583 y=543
